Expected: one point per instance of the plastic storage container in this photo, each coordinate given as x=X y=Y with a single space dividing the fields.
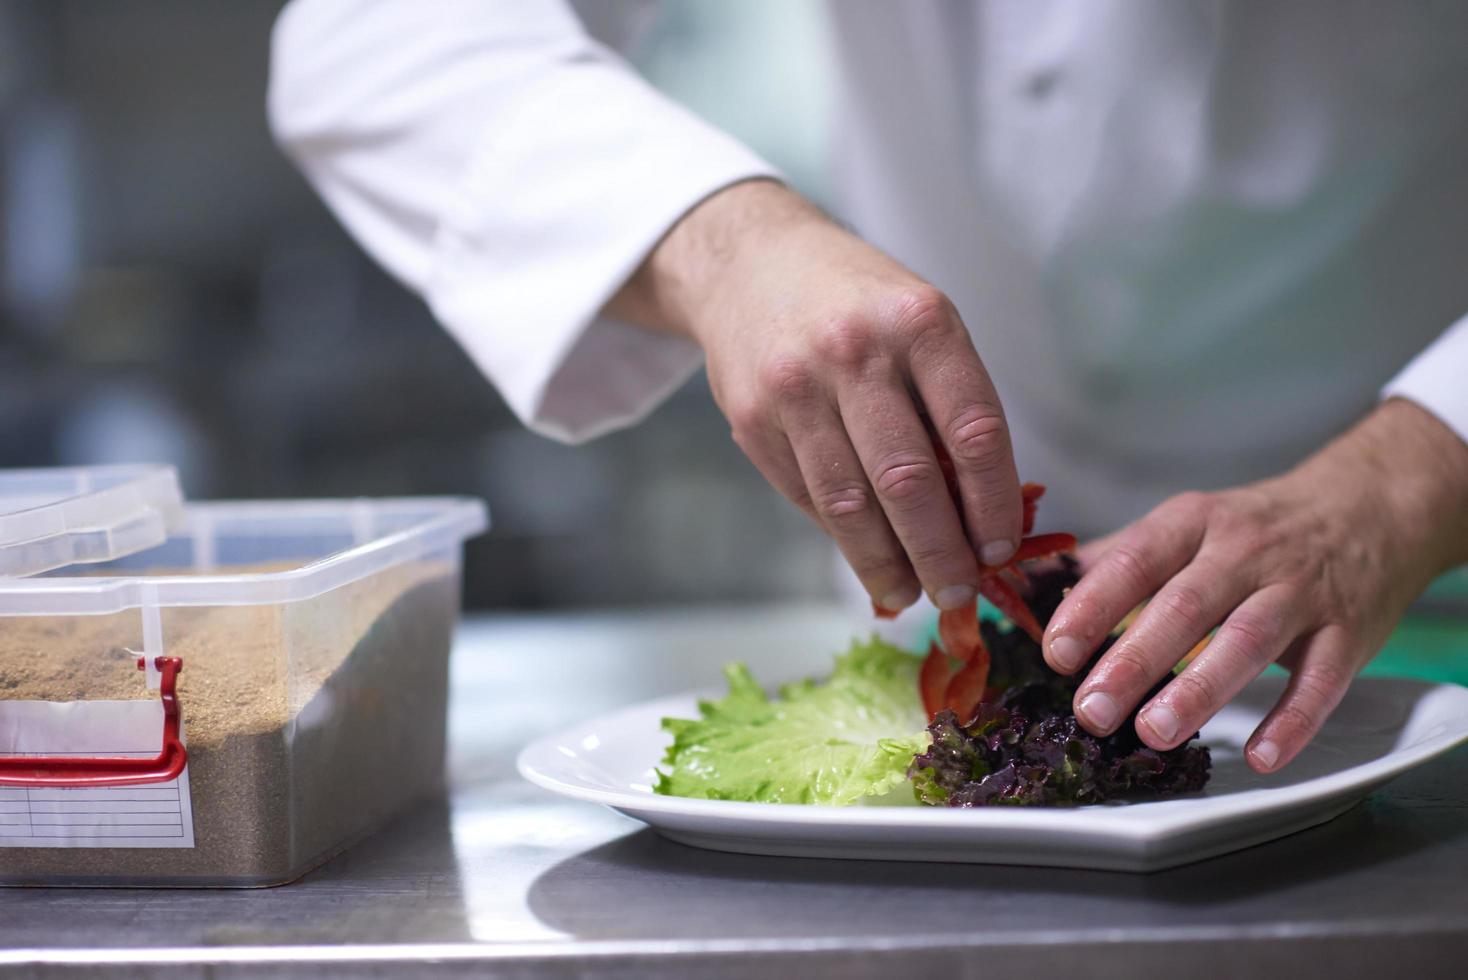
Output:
x=234 y=706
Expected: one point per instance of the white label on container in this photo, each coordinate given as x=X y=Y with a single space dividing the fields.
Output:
x=150 y=815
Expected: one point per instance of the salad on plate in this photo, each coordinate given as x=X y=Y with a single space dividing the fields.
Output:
x=981 y=720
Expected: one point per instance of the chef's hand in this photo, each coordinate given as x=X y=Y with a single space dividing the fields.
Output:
x=825 y=354
x=1311 y=569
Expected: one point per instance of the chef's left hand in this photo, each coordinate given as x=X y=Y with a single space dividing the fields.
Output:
x=1311 y=569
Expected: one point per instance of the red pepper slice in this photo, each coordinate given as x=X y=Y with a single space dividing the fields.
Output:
x=1043 y=546
x=1018 y=580
x=959 y=630
x=1010 y=603
x=1030 y=494
x=933 y=680
x=967 y=688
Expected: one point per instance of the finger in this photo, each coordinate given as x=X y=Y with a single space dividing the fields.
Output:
x=969 y=421
x=900 y=465
x=767 y=447
x=1182 y=613
x=1144 y=556
x=842 y=500
x=1318 y=682
x=770 y=452
x=1254 y=636
x=1090 y=553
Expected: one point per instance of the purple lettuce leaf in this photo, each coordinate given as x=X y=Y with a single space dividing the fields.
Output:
x=1026 y=749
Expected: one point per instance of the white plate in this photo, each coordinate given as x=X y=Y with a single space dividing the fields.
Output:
x=1381 y=729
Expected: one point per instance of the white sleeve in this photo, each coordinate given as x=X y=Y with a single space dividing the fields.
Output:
x=512 y=170
x=1437 y=379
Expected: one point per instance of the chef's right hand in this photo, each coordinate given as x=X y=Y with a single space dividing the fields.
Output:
x=825 y=355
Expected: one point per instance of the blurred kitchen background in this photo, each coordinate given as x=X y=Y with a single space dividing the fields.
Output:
x=171 y=290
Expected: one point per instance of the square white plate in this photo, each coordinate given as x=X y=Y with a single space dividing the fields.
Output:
x=1382 y=728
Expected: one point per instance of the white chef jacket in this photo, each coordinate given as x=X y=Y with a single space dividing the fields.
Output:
x=1193 y=238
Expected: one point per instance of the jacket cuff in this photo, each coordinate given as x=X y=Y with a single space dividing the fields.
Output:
x=552 y=218
x=1437 y=379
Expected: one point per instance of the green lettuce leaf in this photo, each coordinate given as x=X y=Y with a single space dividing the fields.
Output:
x=834 y=743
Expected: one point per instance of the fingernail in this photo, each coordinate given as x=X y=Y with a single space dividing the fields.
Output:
x=997 y=552
x=1066 y=652
x=900 y=599
x=954 y=596
x=1163 y=721
x=1101 y=710
x=1266 y=753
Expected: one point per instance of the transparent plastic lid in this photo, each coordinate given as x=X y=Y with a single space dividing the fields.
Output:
x=52 y=518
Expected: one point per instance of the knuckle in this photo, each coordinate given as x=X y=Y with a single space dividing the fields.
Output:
x=1252 y=633
x=881 y=569
x=1128 y=666
x=1196 y=693
x=922 y=310
x=1184 y=601
x=842 y=506
x=846 y=342
x=789 y=381
x=1301 y=583
x=906 y=479
x=1126 y=562
x=1321 y=684
x=745 y=420
x=1347 y=615
x=1245 y=534
x=921 y=304
x=937 y=557
x=1249 y=541
x=1310 y=699
x=1295 y=719
x=980 y=439
x=1191 y=505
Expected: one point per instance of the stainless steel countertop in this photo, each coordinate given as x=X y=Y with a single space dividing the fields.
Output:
x=505 y=879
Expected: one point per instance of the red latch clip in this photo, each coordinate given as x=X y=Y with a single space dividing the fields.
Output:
x=82 y=771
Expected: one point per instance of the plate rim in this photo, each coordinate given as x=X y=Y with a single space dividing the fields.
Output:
x=1107 y=821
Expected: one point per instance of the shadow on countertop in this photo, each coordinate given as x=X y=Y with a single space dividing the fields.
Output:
x=1395 y=857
